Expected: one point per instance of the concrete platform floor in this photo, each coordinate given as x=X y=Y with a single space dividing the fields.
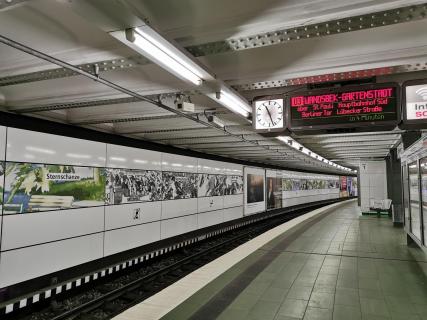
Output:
x=340 y=265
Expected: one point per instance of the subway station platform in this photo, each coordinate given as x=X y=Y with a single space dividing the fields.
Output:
x=333 y=264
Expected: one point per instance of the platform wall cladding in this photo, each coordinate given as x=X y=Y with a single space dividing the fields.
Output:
x=67 y=201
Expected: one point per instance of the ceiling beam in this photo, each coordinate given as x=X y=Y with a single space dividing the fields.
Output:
x=275 y=37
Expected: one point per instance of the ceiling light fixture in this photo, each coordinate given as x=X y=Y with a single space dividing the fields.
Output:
x=233 y=102
x=157 y=49
x=291 y=142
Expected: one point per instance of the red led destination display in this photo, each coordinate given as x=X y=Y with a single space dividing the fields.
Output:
x=345 y=107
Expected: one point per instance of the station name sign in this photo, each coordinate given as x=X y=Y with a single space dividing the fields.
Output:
x=345 y=107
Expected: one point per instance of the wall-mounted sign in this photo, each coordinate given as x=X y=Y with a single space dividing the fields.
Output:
x=414 y=104
x=268 y=114
x=359 y=107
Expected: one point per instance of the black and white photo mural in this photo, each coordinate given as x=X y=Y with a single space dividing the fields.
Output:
x=179 y=185
x=211 y=185
x=233 y=185
x=132 y=185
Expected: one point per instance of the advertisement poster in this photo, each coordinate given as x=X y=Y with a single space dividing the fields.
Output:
x=274 y=193
x=41 y=187
x=211 y=185
x=130 y=185
x=343 y=187
x=254 y=190
x=179 y=185
x=234 y=185
x=353 y=190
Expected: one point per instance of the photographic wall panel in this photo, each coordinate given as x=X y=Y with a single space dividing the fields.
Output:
x=32 y=187
x=133 y=185
x=254 y=186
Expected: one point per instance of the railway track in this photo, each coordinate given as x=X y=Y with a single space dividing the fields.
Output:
x=106 y=299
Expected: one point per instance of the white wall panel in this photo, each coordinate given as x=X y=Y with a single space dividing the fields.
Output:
x=233 y=200
x=177 y=208
x=207 y=219
x=2 y=142
x=33 y=228
x=2 y=158
x=131 y=237
x=210 y=203
x=373 y=182
x=133 y=158
x=176 y=163
x=118 y=216
x=173 y=227
x=210 y=166
x=36 y=147
x=233 y=169
x=232 y=213
x=31 y=262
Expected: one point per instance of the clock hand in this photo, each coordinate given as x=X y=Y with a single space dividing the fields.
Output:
x=268 y=111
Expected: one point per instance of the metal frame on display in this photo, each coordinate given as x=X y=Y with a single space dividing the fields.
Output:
x=411 y=124
x=353 y=127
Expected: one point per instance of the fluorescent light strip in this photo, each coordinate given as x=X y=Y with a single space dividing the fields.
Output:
x=234 y=103
x=294 y=144
x=154 y=50
x=191 y=66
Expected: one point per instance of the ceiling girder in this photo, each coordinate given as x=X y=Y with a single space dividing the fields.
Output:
x=178 y=130
x=275 y=37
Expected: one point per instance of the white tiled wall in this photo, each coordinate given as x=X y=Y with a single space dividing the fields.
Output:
x=119 y=216
x=39 y=243
x=132 y=158
x=36 y=147
x=373 y=182
x=128 y=238
x=173 y=227
x=2 y=142
x=20 y=230
x=30 y=262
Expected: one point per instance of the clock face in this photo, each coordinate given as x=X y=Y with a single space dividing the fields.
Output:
x=268 y=114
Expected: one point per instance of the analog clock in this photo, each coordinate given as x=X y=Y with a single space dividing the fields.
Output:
x=268 y=115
